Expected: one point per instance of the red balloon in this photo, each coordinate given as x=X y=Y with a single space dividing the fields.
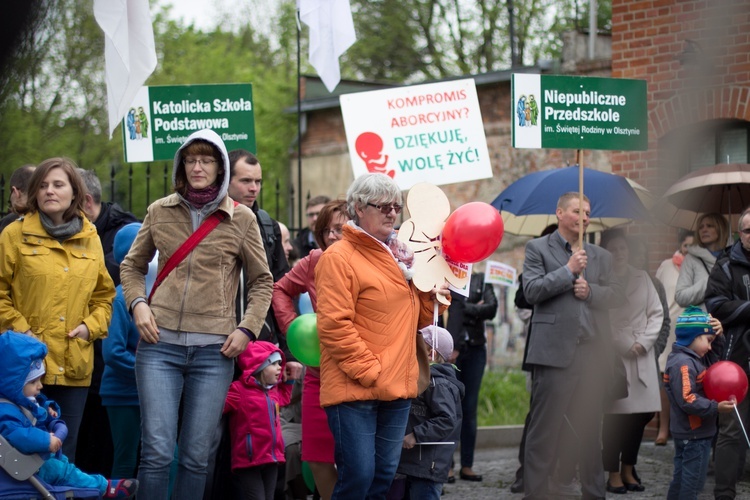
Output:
x=725 y=380
x=472 y=232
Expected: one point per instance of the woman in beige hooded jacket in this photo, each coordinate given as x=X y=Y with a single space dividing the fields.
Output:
x=189 y=332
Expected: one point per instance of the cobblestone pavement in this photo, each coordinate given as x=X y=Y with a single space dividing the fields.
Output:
x=498 y=467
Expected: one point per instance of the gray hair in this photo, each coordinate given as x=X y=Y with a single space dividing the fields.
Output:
x=93 y=185
x=371 y=188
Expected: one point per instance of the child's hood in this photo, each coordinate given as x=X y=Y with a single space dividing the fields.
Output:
x=448 y=372
x=19 y=351
x=255 y=354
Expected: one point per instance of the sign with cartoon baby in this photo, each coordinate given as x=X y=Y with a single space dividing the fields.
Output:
x=161 y=118
x=420 y=133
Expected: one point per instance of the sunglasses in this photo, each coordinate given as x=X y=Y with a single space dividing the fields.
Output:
x=386 y=209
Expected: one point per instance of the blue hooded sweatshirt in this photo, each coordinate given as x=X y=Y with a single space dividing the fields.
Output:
x=118 y=387
x=18 y=352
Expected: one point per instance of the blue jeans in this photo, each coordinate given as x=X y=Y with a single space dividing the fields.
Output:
x=368 y=436
x=197 y=376
x=470 y=363
x=422 y=489
x=690 y=468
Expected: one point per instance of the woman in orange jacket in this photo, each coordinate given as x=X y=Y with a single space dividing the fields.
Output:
x=368 y=315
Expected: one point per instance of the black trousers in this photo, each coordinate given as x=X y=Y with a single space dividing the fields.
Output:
x=621 y=438
x=257 y=483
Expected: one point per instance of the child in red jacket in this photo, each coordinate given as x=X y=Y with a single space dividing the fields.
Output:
x=253 y=405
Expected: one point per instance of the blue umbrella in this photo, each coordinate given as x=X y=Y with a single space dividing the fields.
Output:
x=528 y=205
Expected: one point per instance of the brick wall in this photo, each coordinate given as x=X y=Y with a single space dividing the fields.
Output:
x=325 y=133
x=695 y=56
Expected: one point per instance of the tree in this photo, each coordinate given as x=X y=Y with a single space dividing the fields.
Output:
x=415 y=40
x=55 y=102
x=387 y=47
x=53 y=96
x=191 y=56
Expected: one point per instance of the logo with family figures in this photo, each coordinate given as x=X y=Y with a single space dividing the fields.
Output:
x=369 y=146
x=528 y=111
x=137 y=123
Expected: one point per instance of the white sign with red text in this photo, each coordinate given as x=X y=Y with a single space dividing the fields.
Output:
x=420 y=133
x=460 y=270
x=498 y=273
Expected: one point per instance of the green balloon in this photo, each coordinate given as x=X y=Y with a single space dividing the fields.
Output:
x=307 y=475
x=302 y=339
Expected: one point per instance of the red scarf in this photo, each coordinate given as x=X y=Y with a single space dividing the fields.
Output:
x=677 y=259
x=200 y=197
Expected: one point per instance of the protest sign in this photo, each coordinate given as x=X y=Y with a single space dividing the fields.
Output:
x=421 y=133
x=460 y=270
x=501 y=274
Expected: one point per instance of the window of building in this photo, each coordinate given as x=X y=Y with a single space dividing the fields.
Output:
x=709 y=143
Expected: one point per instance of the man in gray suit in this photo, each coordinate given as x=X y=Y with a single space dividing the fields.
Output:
x=571 y=291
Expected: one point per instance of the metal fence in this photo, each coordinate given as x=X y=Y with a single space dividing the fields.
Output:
x=158 y=183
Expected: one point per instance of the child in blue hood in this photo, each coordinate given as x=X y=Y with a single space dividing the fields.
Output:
x=31 y=423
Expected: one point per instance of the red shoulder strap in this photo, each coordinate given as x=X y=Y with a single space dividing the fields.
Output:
x=208 y=225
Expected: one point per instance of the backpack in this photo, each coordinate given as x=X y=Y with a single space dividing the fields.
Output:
x=269 y=238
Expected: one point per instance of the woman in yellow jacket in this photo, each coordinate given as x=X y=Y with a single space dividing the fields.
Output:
x=368 y=315
x=54 y=285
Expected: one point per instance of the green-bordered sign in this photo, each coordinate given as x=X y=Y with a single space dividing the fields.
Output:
x=579 y=112
x=161 y=118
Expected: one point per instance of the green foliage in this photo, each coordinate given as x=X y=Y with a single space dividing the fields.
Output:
x=391 y=51
x=503 y=399
x=57 y=104
x=53 y=98
x=603 y=17
x=54 y=103
x=191 y=56
x=414 y=40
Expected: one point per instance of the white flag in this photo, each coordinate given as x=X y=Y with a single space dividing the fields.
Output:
x=331 y=33
x=129 y=52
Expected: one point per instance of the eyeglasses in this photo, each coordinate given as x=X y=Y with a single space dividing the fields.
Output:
x=203 y=162
x=337 y=230
x=745 y=231
x=386 y=209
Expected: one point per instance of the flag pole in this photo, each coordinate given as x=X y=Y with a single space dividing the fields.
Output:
x=299 y=124
x=579 y=154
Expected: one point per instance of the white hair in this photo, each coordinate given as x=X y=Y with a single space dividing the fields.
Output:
x=371 y=188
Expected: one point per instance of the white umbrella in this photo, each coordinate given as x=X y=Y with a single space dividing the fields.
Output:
x=723 y=188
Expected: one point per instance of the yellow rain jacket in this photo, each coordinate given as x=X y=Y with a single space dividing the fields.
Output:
x=50 y=288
